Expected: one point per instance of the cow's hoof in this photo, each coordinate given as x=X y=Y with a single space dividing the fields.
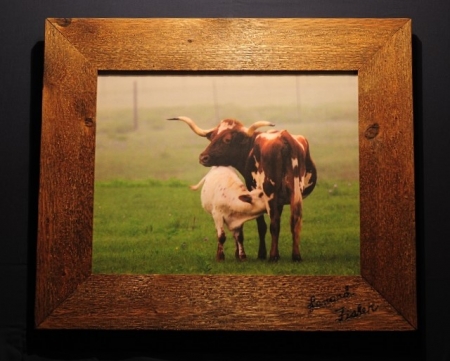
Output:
x=262 y=256
x=242 y=257
x=220 y=257
x=274 y=258
x=296 y=258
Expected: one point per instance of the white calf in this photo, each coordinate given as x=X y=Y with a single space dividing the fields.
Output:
x=229 y=202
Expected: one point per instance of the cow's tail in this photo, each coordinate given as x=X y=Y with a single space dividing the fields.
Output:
x=198 y=185
x=311 y=174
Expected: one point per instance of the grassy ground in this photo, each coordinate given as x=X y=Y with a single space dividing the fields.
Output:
x=147 y=220
x=160 y=227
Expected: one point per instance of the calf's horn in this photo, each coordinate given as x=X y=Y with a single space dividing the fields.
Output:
x=256 y=125
x=193 y=126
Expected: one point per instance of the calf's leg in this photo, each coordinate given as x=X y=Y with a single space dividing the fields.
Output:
x=221 y=238
x=238 y=235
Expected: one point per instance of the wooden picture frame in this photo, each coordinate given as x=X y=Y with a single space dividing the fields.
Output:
x=383 y=297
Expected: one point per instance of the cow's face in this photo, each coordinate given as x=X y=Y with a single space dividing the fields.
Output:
x=230 y=141
x=227 y=147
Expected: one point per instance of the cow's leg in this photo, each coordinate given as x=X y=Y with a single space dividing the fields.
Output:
x=296 y=227
x=262 y=230
x=221 y=237
x=238 y=235
x=275 y=219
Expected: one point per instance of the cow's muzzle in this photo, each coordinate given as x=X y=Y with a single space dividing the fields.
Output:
x=204 y=160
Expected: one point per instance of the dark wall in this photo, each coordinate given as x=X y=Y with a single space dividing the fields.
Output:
x=22 y=30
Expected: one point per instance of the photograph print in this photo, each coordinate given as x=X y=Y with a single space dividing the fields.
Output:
x=227 y=174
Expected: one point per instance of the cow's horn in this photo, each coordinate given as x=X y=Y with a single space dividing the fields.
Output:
x=256 y=125
x=193 y=126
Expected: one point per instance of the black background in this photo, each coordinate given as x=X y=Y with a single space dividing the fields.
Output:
x=21 y=62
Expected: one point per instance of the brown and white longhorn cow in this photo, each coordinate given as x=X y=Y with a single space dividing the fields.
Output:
x=230 y=203
x=276 y=162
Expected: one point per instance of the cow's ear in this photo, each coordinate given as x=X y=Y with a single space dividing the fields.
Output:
x=245 y=198
x=209 y=135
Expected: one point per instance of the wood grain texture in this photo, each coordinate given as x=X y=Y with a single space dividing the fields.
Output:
x=387 y=173
x=224 y=303
x=66 y=173
x=382 y=298
x=228 y=44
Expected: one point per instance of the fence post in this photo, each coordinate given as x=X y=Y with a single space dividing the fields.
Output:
x=297 y=95
x=135 y=106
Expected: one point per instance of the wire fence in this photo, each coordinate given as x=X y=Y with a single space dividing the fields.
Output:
x=300 y=91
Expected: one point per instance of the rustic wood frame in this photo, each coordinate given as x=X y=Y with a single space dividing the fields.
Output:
x=68 y=296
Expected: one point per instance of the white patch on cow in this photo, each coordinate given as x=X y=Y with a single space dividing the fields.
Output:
x=259 y=178
x=266 y=201
x=224 y=126
x=307 y=179
x=239 y=247
x=256 y=162
x=270 y=135
x=298 y=183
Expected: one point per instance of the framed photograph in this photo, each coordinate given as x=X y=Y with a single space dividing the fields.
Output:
x=147 y=220
x=92 y=273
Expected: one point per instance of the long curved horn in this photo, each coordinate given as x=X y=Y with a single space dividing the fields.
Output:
x=258 y=124
x=197 y=130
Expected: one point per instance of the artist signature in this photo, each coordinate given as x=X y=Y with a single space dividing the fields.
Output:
x=345 y=314
x=325 y=302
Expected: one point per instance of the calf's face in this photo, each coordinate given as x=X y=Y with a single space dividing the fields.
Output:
x=256 y=199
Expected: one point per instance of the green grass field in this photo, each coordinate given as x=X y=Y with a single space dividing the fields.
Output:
x=159 y=227
x=147 y=220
